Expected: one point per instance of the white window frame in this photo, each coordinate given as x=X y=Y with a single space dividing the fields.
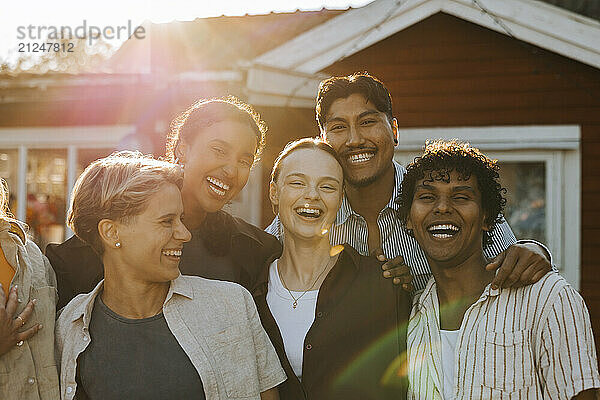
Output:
x=71 y=138
x=558 y=147
x=248 y=204
x=102 y=136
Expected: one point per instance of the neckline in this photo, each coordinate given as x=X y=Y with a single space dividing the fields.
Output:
x=277 y=285
x=106 y=310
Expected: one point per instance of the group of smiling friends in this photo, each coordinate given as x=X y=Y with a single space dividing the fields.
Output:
x=374 y=281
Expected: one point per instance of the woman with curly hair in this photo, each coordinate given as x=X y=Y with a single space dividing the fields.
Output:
x=216 y=142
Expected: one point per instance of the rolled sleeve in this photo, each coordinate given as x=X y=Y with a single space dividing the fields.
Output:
x=568 y=354
x=502 y=238
x=270 y=372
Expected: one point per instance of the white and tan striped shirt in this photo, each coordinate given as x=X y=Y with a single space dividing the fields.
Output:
x=533 y=342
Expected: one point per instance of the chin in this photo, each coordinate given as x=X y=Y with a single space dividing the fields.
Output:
x=213 y=205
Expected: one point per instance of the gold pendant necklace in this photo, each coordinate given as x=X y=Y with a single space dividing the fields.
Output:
x=295 y=303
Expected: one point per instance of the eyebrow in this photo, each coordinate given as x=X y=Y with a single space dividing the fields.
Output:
x=361 y=115
x=167 y=215
x=221 y=142
x=335 y=119
x=456 y=188
x=301 y=175
x=224 y=143
x=368 y=112
x=464 y=187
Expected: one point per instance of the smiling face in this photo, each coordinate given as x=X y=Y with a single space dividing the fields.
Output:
x=447 y=218
x=362 y=136
x=151 y=242
x=308 y=192
x=217 y=165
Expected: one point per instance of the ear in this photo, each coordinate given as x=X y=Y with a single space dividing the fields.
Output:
x=484 y=225
x=181 y=151
x=395 y=130
x=274 y=195
x=109 y=232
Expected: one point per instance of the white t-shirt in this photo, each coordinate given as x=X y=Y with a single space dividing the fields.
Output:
x=449 y=339
x=293 y=323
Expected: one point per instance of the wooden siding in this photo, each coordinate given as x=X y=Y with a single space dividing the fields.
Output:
x=445 y=72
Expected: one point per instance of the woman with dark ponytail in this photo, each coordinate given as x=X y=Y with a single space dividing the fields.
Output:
x=216 y=142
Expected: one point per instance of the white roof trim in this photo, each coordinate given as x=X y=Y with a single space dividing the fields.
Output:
x=535 y=22
x=554 y=137
x=64 y=136
x=531 y=21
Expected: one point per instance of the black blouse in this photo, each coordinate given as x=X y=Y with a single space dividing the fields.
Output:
x=356 y=344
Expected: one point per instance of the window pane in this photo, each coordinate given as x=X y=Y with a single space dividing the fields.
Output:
x=8 y=171
x=526 y=198
x=46 y=194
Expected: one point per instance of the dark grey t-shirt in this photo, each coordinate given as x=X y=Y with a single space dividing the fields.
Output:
x=134 y=359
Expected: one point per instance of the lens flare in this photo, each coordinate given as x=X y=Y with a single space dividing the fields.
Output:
x=335 y=250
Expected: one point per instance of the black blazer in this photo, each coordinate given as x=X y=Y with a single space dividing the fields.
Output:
x=355 y=348
x=231 y=250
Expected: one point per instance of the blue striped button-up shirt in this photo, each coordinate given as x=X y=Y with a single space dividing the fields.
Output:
x=351 y=228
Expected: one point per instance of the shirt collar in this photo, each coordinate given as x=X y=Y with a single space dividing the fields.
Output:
x=346 y=209
x=430 y=294
x=15 y=227
x=426 y=295
x=181 y=287
x=261 y=284
x=84 y=308
x=399 y=171
x=86 y=304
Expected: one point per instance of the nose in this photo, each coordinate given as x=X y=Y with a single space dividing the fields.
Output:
x=311 y=192
x=229 y=169
x=442 y=206
x=355 y=138
x=181 y=232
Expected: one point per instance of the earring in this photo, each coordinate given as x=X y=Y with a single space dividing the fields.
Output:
x=118 y=244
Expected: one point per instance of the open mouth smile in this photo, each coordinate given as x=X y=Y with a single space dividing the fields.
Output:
x=360 y=158
x=443 y=231
x=172 y=253
x=217 y=186
x=309 y=212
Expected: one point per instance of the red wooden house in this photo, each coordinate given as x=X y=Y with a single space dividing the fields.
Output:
x=518 y=78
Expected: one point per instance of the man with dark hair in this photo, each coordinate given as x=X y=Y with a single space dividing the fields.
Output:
x=355 y=117
x=466 y=339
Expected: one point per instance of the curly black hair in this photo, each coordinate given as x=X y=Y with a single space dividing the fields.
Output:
x=439 y=159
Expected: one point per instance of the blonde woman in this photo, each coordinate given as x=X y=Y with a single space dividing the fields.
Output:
x=27 y=304
x=145 y=331
x=335 y=321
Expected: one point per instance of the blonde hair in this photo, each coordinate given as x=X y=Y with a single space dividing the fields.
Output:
x=116 y=187
x=312 y=143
